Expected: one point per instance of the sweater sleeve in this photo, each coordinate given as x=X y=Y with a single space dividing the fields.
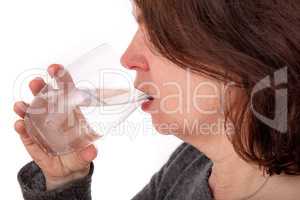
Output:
x=33 y=185
x=158 y=187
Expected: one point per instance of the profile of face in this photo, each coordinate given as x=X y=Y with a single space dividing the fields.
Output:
x=184 y=103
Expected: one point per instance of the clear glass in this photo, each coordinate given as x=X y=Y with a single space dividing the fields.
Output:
x=83 y=102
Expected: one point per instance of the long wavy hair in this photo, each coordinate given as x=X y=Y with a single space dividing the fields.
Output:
x=248 y=41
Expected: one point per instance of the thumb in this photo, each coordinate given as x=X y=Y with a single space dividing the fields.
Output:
x=88 y=154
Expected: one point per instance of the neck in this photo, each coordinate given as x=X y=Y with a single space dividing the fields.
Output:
x=231 y=177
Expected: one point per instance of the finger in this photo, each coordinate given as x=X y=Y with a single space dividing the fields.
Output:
x=61 y=75
x=34 y=150
x=20 y=128
x=20 y=108
x=88 y=154
x=81 y=159
x=36 y=85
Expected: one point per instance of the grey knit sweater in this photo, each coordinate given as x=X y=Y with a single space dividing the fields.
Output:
x=183 y=177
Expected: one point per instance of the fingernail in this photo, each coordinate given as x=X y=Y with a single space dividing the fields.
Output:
x=22 y=106
x=61 y=72
x=52 y=70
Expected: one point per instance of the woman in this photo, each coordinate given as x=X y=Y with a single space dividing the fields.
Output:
x=224 y=76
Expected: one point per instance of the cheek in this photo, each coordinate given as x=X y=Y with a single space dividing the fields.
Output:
x=169 y=89
x=171 y=101
x=180 y=110
x=168 y=109
x=206 y=111
x=181 y=99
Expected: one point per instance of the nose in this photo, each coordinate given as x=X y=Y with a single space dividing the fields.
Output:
x=127 y=61
x=133 y=62
x=134 y=57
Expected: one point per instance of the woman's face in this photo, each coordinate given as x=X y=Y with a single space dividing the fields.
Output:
x=184 y=102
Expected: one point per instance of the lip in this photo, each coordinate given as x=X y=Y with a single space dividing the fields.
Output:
x=146 y=105
x=145 y=92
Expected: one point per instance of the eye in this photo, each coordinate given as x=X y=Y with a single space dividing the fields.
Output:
x=139 y=19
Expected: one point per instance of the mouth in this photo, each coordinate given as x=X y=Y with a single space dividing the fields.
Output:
x=150 y=98
x=146 y=105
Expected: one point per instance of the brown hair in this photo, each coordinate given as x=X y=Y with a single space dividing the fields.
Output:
x=246 y=39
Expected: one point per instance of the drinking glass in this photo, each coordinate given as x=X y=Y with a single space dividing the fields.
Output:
x=83 y=102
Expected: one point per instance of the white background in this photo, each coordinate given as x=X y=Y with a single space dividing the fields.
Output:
x=34 y=34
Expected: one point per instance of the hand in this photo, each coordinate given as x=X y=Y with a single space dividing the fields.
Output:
x=58 y=170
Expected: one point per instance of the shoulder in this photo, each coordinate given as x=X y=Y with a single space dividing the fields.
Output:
x=186 y=154
x=185 y=172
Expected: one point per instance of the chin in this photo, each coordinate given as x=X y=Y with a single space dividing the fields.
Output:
x=162 y=124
